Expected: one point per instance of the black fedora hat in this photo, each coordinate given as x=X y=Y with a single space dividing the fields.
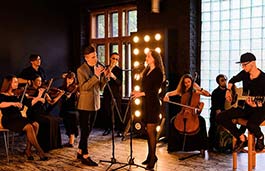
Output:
x=247 y=57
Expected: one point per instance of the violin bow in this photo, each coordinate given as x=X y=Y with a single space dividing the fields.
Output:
x=179 y=104
x=49 y=86
x=24 y=92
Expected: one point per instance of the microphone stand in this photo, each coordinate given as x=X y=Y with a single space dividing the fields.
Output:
x=113 y=105
x=131 y=160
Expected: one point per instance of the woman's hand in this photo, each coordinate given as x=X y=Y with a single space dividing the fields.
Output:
x=18 y=105
x=135 y=94
x=166 y=98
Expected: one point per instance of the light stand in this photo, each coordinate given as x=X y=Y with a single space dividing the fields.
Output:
x=113 y=105
x=131 y=160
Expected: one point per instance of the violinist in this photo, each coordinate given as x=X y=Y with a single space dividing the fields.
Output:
x=115 y=83
x=68 y=106
x=185 y=86
x=49 y=133
x=12 y=119
x=152 y=78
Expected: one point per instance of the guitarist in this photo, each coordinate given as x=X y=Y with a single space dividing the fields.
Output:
x=254 y=111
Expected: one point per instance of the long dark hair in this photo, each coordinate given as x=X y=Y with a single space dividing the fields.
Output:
x=6 y=85
x=70 y=74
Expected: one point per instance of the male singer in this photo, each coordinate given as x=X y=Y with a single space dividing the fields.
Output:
x=91 y=81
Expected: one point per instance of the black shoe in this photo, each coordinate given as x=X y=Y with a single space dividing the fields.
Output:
x=148 y=160
x=44 y=158
x=240 y=145
x=106 y=132
x=79 y=156
x=89 y=162
x=259 y=144
x=29 y=155
x=151 y=164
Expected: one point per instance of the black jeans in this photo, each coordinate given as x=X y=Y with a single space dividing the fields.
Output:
x=86 y=120
x=255 y=117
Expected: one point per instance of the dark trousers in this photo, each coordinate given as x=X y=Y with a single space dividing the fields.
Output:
x=255 y=117
x=86 y=120
x=213 y=134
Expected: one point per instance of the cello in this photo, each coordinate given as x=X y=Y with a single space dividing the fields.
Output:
x=187 y=120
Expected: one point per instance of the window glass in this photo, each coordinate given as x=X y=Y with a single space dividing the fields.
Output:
x=132 y=21
x=100 y=26
x=239 y=28
x=101 y=53
x=114 y=25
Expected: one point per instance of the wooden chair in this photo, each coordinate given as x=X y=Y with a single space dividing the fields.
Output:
x=251 y=147
x=5 y=135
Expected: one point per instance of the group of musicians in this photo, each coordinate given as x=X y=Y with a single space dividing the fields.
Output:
x=81 y=94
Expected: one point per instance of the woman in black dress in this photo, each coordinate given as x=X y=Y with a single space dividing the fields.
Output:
x=49 y=135
x=68 y=107
x=152 y=78
x=12 y=119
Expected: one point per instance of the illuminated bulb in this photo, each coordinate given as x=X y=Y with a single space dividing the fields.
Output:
x=160 y=90
x=160 y=116
x=158 y=128
x=137 y=113
x=136 y=51
x=146 y=50
x=160 y=101
x=136 y=64
x=146 y=38
x=137 y=88
x=135 y=39
x=138 y=126
x=157 y=36
x=158 y=50
x=137 y=77
x=137 y=101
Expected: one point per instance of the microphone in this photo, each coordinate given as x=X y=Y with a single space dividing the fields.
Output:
x=101 y=64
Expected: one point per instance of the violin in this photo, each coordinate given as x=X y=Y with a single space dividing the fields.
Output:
x=187 y=120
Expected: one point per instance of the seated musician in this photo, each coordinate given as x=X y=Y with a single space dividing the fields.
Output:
x=178 y=143
x=253 y=111
x=10 y=105
x=49 y=133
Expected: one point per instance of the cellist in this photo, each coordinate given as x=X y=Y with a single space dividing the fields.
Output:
x=184 y=87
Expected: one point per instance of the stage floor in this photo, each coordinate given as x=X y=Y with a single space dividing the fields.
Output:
x=100 y=148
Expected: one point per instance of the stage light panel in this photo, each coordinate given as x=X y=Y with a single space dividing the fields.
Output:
x=147 y=38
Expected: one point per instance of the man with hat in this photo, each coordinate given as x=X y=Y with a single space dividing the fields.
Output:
x=253 y=111
x=90 y=81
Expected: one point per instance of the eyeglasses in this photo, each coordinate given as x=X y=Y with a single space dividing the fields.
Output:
x=222 y=80
x=115 y=59
x=245 y=64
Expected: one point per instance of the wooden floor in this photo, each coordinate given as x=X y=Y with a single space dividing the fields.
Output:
x=100 y=148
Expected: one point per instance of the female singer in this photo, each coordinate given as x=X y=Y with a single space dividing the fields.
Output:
x=68 y=107
x=200 y=138
x=152 y=78
x=49 y=133
x=12 y=119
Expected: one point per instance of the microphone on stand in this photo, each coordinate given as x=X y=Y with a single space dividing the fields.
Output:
x=101 y=64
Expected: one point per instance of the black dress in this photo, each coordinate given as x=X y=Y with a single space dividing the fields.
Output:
x=49 y=136
x=12 y=118
x=151 y=84
x=69 y=113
